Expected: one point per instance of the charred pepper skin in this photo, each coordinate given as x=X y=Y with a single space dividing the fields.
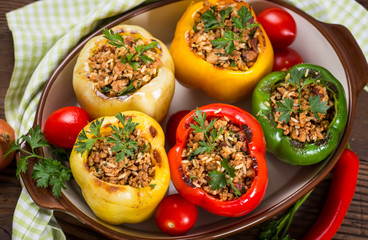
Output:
x=116 y=204
x=256 y=143
x=284 y=147
x=221 y=84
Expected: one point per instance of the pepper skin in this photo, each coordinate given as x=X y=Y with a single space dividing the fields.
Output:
x=256 y=143
x=340 y=195
x=153 y=99
x=284 y=147
x=220 y=84
x=117 y=204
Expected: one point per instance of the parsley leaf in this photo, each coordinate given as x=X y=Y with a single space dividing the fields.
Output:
x=316 y=106
x=230 y=48
x=209 y=20
x=84 y=143
x=228 y=40
x=296 y=76
x=115 y=39
x=285 y=107
x=120 y=137
x=46 y=172
x=209 y=144
x=51 y=173
x=195 y=26
x=215 y=134
x=129 y=89
x=220 y=42
x=21 y=165
x=229 y=169
x=307 y=81
x=146 y=59
x=219 y=179
x=36 y=138
x=225 y=13
x=245 y=15
x=204 y=147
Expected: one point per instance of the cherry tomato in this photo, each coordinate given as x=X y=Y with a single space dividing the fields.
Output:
x=63 y=126
x=172 y=125
x=279 y=25
x=285 y=58
x=175 y=215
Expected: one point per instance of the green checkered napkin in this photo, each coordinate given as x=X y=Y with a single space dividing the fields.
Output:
x=45 y=31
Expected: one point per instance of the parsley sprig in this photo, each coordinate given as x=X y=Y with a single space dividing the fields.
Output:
x=129 y=89
x=228 y=40
x=120 y=137
x=223 y=179
x=286 y=106
x=46 y=172
x=211 y=134
x=207 y=145
x=133 y=59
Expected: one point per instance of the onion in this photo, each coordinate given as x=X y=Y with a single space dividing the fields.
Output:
x=6 y=138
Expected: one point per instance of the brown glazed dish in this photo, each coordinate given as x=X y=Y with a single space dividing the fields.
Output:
x=355 y=70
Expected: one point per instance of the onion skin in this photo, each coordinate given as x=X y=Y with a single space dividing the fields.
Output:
x=7 y=136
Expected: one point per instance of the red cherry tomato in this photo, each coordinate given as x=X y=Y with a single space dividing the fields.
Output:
x=279 y=25
x=63 y=126
x=172 y=125
x=285 y=58
x=175 y=215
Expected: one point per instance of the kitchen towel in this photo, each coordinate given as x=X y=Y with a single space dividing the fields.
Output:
x=43 y=34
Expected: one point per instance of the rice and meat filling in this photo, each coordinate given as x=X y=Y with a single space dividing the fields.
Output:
x=113 y=75
x=201 y=39
x=303 y=125
x=136 y=171
x=230 y=145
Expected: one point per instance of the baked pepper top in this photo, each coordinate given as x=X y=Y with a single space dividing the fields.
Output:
x=121 y=166
x=125 y=68
x=220 y=48
x=218 y=161
x=303 y=113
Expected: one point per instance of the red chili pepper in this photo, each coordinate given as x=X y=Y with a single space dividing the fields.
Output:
x=257 y=149
x=344 y=179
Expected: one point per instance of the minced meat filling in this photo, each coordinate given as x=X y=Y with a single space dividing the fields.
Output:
x=230 y=145
x=113 y=75
x=137 y=171
x=303 y=126
x=246 y=50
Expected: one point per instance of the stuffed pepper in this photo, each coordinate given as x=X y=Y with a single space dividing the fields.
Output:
x=121 y=166
x=218 y=161
x=123 y=69
x=303 y=113
x=220 y=47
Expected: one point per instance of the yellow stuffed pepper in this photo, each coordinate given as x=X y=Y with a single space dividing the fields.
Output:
x=220 y=48
x=121 y=166
x=125 y=68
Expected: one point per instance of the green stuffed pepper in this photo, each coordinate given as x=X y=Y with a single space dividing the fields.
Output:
x=303 y=113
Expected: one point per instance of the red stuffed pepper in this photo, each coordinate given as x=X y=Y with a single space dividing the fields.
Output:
x=218 y=162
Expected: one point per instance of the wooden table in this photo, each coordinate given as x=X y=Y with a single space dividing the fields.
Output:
x=354 y=226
